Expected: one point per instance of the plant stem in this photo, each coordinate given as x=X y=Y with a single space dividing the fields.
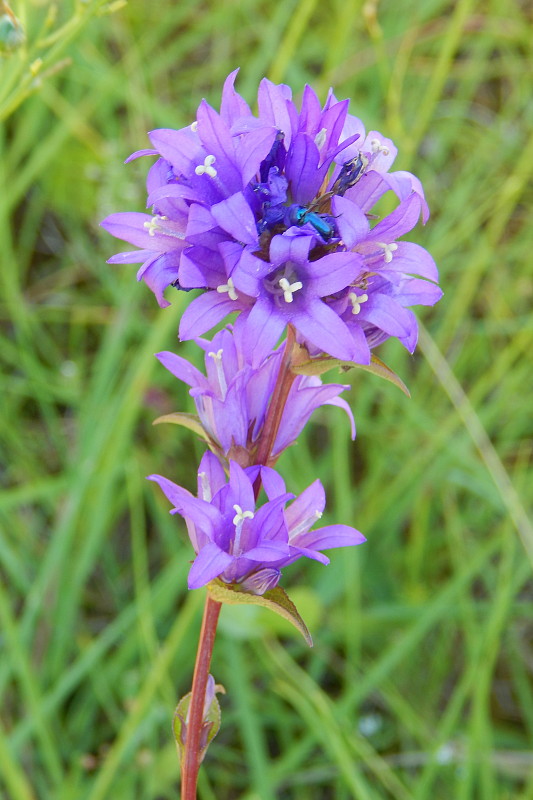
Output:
x=191 y=761
x=284 y=382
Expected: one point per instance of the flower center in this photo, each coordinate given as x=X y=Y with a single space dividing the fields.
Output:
x=158 y=225
x=229 y=288
x=389 y=250
x=154 y=224
x=377 y=147
x=289 y=289
x=238 y=521
x=356 y=301
x=207 y=167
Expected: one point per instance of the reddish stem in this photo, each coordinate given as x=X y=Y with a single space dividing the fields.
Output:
x=191 y=763
x=284 y=382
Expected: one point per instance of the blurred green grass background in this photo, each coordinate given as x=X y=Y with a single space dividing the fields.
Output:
x=420 y=684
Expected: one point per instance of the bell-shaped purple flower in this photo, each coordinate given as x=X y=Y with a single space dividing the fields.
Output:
x=239 y=542
x=232 y=399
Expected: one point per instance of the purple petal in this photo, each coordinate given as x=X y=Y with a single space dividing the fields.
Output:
x=181 y=148
x=183 y=369
x=417 y=292
x=272 y=101
x=201 y=268
x=174 y=190
x=340 y=403
x=295 y=248
x=235 y=216
x=328 y=537
x=352 y=127
x=159 y=274
x=273 y=483
x=252 y=149
x=301 y=168
x=211 y=476
x=351 y=221
x=201 y=513
x=129 y=226
x=217 y=140
x=311 y=111
x=385 y=313
x=232 y=105
x=210 y=562
x=324 y=329
x=268 y=551
x=305 y=505
x=261 y=581
x=241 y=487
x=400 y=221
x=412 y=259
x=334 y=272
x=131 y=257
x=263 y=326
x=204 y=312
x=139 y=153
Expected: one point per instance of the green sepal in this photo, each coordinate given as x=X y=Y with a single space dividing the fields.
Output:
x=317 y=366
x=275 y=599
x=211 y=722
x=190 y=421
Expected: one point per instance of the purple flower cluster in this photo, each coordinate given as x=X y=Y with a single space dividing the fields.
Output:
x=233 y=399
x=271 y=216
x=239 y=543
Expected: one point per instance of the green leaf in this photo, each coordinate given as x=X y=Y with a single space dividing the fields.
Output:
x=190 y=421
x=275 y=599
x=317 y=366
x=211 y=722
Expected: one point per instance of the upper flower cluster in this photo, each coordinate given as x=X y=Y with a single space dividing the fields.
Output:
x=271 y=215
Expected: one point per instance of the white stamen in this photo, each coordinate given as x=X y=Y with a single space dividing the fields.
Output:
x=320 y=138
x=238 y=521
x=377 y=147
x=206 y=488
x=304 y=526
x=194 y=126
x=217 y=358
x=229 y=288
x=356 y=301
x=289 y=288
x=389 y=250
x=153 y=225
x=241 y=515
x=207 y=167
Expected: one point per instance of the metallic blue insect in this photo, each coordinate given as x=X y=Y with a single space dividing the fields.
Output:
x=352 y=171
x=299 y=215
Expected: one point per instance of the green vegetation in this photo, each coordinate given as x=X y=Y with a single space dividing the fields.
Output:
x=420 y=684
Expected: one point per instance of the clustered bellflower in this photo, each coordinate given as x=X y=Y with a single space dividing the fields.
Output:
x=272 y=215
x=232 y=399
x=243 y=544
